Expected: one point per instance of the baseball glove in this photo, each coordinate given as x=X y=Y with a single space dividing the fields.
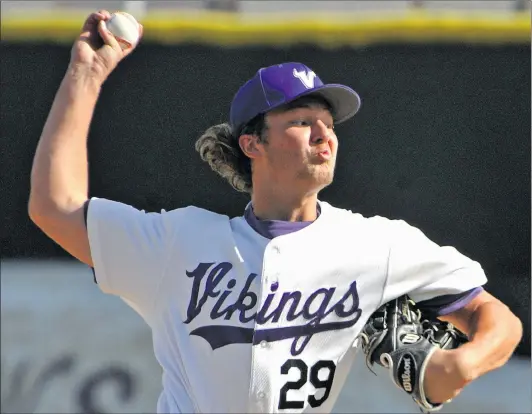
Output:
x=399 y=338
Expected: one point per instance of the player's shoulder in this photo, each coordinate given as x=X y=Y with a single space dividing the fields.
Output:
x=190 y=220
x=377 y=223
x=193 y=223
x=193 y=215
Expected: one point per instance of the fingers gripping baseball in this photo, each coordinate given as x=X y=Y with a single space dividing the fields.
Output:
x=97 y=50
x=109 y=39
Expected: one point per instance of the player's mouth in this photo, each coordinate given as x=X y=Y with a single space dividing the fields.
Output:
x=324 y=155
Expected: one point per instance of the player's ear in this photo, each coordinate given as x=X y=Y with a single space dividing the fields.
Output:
x=249 y=144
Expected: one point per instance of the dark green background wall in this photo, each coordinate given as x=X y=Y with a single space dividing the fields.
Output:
x=442 y=140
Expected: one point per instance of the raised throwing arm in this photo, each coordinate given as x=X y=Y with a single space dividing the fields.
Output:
x=59 y=176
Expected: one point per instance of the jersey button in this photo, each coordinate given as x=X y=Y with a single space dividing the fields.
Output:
x=261 y=395
x=263 y=344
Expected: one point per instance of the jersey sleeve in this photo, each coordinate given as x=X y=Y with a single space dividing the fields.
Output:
x=439 y=278
x=129 y=250
x=443 y=305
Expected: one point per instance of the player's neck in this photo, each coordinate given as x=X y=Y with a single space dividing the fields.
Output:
x=278 y=206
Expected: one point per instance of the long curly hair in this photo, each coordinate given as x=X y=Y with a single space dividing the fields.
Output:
x=219 y=147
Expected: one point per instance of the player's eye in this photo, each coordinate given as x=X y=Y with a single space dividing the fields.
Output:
x=300 y=122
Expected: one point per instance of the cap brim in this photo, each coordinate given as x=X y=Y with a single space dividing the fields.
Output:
x=345 y=101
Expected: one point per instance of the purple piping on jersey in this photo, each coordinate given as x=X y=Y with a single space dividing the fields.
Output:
x=274 y=228
x=460 y=303
x=440 y=305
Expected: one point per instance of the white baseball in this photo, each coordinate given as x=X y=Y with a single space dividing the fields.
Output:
x=124 y=28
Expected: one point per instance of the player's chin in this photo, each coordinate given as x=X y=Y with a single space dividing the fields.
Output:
x=324 y=178
x=326 y=168
x=321 y=174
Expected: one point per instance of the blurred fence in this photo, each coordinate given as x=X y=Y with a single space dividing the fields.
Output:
x=276 y=6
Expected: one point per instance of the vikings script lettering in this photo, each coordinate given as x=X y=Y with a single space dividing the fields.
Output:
x=291 y=306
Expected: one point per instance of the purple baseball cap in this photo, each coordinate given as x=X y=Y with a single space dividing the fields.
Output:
x=277 y=85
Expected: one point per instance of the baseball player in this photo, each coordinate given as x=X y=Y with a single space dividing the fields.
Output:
x=265 y=312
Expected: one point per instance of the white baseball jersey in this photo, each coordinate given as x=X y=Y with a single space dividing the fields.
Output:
x=247 y=323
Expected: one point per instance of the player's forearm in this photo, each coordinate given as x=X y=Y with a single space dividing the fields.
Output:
x=495 y=332
x=59 y=177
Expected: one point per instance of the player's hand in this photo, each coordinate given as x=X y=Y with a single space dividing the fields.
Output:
x=446 y=375
x=96 y=52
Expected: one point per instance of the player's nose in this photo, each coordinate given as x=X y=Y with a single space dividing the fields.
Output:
x=320 y=133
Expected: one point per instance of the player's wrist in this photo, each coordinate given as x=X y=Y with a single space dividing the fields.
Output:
x=81 y=77
x=443 y=367
x=465 y=362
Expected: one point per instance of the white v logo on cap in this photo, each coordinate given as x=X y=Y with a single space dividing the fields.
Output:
x=306 y=77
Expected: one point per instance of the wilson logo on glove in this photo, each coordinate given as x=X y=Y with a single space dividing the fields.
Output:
x=410 y=339
x=407 y=372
